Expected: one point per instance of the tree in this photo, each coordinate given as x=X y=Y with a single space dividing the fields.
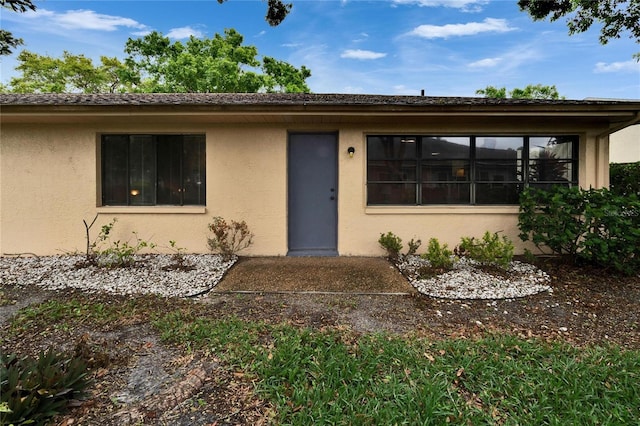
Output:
x=217 y=65
x=155 y=64
x=616 y=16
x=277 y=10
x=537 y=91
x=69 y=74
x=7 y=41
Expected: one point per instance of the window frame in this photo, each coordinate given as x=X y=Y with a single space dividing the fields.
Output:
x=523 y=166
x=198 y=142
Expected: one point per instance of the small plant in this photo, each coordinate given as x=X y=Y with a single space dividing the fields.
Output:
x=414 y=245
x=228 y=239
x=491 y=250
x=391 y=243
x=180 y=262
x=117 y=253
x=35 y=390
x=439 y=256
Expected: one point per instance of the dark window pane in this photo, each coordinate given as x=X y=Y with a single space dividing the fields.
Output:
x=114 y=170
x=445 y=171
x=194 y=176
x=550 y=170
x=499 y=147
x=381 y=171
x=391 y=193
x=446 y=147
x=169 y=172
x=498 y=171
x=391 y=147
x=142 y=171
x=445 y=193
x=496 y=193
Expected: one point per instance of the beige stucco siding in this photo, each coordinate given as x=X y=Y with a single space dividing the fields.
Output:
x=625 y=145
x=49 y=183
x=48 y=187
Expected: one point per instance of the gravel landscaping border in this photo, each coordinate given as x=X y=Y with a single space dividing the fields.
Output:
x=467 y=280
x=197 y=274
x=150 y=274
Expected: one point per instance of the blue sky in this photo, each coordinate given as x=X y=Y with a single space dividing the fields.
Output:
x=446 y=47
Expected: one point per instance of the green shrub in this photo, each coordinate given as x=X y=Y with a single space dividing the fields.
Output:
x=228 y=239
x=391 y=243
x=624 y=179
x=551 y=219
x=439 y=256
x=491 y=250
x=414 y=245
x=596 y=226
x=34 y=390
x=116 y=253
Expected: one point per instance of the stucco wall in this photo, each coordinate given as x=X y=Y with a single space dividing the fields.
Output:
x=625 y=145
x=49 y=183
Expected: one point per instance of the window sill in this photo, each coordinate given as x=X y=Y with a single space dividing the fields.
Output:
x=442 y=209
x=152 y=209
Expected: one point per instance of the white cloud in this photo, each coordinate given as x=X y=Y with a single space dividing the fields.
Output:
x=464 y=5
x=362 y=54
x=184 y=32
x=485 y=63
x=90 y=20
x=77 y=20
x=627 y=66
x=491 y=25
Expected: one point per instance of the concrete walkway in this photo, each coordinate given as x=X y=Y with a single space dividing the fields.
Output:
x=364 y=275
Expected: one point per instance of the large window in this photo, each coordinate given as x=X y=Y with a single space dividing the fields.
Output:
x=147 y=170
x=477 y=170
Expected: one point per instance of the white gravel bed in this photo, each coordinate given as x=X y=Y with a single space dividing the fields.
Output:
x=467 y=281
x=146 y=276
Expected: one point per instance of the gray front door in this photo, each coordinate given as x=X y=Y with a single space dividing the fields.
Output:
x=313 y=194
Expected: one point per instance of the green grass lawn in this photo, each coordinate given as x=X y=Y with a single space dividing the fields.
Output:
x=337 y=377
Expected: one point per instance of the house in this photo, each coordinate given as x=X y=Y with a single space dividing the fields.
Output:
x=624 y=146
x=311 y=174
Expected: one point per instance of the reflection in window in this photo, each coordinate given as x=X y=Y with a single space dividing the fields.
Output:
x=145 y=170
x=419 y=170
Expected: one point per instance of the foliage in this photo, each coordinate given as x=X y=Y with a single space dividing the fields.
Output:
x=624 y=179
x=414 y=245
x=180 y=262
x=386 y=379
x=277 y=10
x=391 y=243
x=439 y=256
x=616 y=16
x=229 y=239
x=221 y=64
x=491 y=250
x=69 y=74
x=7 y=41
x=117 y=253
x=537 y=91
x=35 y=390
x=596 y=226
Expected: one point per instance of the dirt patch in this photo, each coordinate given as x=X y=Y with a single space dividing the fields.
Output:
x=309 y=274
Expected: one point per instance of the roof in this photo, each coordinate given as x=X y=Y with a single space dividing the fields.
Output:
x=307 y=108
x=284 y=99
